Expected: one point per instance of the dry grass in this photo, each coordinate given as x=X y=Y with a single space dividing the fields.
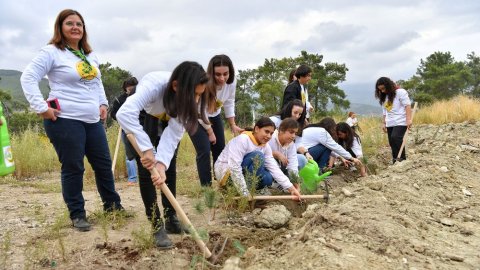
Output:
x=34 y=155
x=456 y=110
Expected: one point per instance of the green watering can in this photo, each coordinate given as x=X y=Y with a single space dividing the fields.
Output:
x=310 y=175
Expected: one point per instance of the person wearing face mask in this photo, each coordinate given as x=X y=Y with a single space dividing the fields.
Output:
x=247 y=152
x=72 y=116
x=210 y=137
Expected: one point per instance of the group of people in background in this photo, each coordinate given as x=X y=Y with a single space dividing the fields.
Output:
x=162 y=106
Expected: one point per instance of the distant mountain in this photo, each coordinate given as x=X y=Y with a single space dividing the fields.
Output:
x=10 y=83
x=364 y=109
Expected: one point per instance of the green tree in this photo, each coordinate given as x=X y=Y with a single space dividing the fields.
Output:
x=245 y=103
x=473 y=65
x=270 y=79
x=438 y=77
x=112 y=78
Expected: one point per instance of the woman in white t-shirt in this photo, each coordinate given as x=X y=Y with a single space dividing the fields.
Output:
x=397 y=113
x=210 y=137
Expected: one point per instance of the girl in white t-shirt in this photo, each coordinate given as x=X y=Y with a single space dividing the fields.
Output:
x=397 y=113
x=248 y=152
x=351 y=142
x=210 y=137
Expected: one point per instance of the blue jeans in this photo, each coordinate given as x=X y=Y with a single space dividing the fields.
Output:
x=73 y=140
x=248 y=165
x=320 y=154
x=131 y=170
x=203 y=148
x=302 y=161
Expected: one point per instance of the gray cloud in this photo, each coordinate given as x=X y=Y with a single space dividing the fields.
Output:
x=372 y=39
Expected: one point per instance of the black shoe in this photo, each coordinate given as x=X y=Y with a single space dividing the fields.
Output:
x=81 y=224
x=109 y=208
x=172 y=225
x=161 y=239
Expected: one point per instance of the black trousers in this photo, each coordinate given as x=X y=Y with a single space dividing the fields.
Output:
x=203 y=148
x=395 y=139
x=149 y=192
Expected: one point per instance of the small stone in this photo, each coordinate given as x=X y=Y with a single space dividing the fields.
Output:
x=466 y=192
x=375 y=185
x=415 y=185
x=447 y=222
x=347 y=193
x=232 y=263
x=468 y=218
x=444 y=169
x=456 y=258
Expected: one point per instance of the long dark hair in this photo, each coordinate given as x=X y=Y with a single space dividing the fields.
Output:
x=59 y=40
x=328 y=124
x=220 y=60
x=181 y=103
x=346 y=143
x=390 y=87
x=286 y=112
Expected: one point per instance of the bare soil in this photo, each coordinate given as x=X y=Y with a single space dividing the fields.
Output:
x=422 y=213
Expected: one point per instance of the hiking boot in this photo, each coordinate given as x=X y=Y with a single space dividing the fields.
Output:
x=81 y=224
x=173 y=225
x=161 y=239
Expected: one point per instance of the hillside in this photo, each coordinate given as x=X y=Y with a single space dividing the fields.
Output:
x=418 y=214
x=10 y=83
x=364 y=109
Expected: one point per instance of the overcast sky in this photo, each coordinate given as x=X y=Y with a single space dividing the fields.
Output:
x=373 y=38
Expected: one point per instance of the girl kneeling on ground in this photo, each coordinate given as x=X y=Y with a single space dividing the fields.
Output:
x=249 y=151
x=283 y=147
x=350 y=141
x=320 y=140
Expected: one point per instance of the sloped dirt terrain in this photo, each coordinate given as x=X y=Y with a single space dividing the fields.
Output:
x=422 y=213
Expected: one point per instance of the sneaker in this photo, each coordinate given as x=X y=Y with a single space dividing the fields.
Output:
x=173 y=225
x=131 y=184
x=81 y=224
x=161 y=239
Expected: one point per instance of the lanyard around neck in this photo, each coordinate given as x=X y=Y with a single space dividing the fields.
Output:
x=80 y=54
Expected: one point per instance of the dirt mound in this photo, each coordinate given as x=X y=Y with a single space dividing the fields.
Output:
x=418 y=214
x=421 y=213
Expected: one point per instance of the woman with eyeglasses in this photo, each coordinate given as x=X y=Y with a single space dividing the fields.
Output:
x=72 y=119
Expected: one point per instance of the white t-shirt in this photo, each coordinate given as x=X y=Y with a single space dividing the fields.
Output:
x=226 y=99
x=395 y=113
x=149 y=97
x=79 y=94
